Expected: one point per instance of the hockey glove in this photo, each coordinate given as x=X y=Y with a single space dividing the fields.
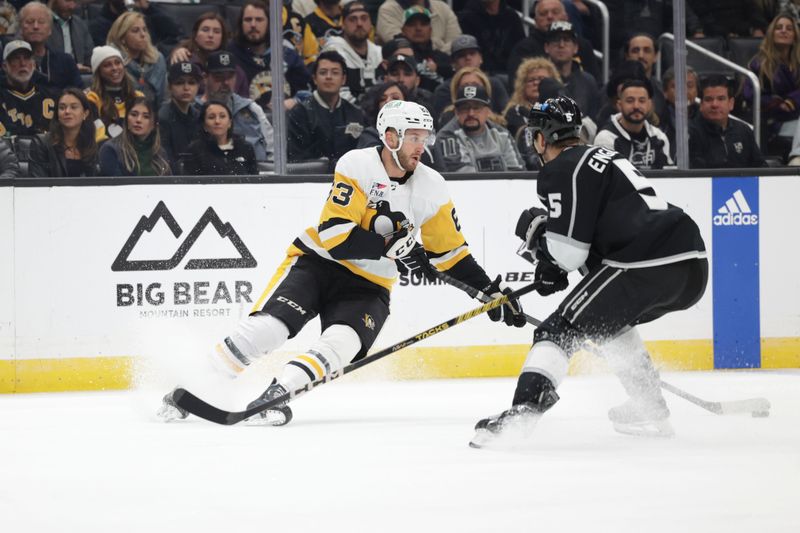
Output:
x=550 y=277
x=510 y=312
x=416 y=263
x=399 y=245
x=530 y=228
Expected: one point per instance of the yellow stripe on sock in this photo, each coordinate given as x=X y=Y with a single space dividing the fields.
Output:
x=313 y=363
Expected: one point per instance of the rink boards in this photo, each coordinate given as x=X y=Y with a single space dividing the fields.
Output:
x=93 y=277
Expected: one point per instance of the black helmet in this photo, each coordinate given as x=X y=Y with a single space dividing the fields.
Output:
x=557 y=118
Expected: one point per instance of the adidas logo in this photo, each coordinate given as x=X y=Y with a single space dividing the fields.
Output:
x=735 y=212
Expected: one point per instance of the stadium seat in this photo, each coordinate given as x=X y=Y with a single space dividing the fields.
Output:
x=742 y=49
x=699 y=62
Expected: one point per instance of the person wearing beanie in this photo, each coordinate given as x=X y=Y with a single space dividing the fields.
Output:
x=218 y=151
x=112 y=90
x=137 y=150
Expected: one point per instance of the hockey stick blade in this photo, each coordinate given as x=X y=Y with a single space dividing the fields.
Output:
x=753 y=406
x=196 y=406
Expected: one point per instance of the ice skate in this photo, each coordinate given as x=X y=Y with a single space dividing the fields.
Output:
x=642 y=417
x=279 y=415
x=169 y=411
x=514 y=426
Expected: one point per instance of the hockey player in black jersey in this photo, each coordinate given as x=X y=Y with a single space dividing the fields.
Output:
x=641 y=258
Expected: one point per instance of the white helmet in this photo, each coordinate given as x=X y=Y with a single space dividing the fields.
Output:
x=401 y=116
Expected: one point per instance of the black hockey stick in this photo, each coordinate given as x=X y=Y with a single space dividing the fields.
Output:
x=757 y=407
x=186 y=400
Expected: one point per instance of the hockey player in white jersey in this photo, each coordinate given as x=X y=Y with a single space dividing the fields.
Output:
x=641 y=258
x=342 y=269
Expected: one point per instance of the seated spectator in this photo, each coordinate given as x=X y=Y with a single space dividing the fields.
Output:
x=472 y=143
x=36 y=26
x=666 y=121
x=8 y=19
x=728 y=18
x=497 y=29
x=444 y=23
x=777 y=65
x=469 y=76
x=466 y=53
x=631 y=134
x=324 y=22
x=433 y=65
x=137 y=150
x=69 y=149
x=716 y=138
x=164 y=31
x=144 y=63
x=27 y=105
x=218 y=151
x=9 y=164
x=112 y=89
x=397 y=46
x=627 y=70
x=651 y=18
x=249 y=119
x=252 y=51
x=326 y=125
x=372 y=103
x=70 y=33
x=363 y=57
x=642 y=47
x=179 y=117
x=530 y=74
x=403 y=69
x=560 y=47
x=545 y=12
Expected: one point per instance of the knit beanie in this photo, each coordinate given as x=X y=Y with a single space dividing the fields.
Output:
x=101 y=53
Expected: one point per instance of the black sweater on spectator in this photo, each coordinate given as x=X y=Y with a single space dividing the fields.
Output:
x=178 y=130
x=712 y=147
x=496 y=34
x=206 y=158
x=9 y=165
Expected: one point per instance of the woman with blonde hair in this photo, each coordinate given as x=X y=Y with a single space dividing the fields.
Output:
x=112 y=90
x=137 y=151
x=530 y=74
x=143 y=61
x=469 y=76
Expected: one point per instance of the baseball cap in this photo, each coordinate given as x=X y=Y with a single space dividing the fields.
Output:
x=13 y=46
x=472 y=93
x=401 y=58
x=183 y=68
x=559 y=27
x=220 y=61
x=416 y=11
x=464 y=42
x=393 y=45
x=353 y=7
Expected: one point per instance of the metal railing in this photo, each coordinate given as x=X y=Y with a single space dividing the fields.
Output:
x=731 y=65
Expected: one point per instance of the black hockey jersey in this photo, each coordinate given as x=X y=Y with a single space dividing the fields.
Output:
x=602 y=210
x=26 y=113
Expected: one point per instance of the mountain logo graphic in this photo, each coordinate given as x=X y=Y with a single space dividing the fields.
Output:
x=736 y=212
x=210 y=217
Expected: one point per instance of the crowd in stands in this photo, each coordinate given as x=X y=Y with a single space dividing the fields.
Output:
x=137 y=87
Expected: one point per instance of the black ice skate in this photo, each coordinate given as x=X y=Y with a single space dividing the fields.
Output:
x=279 y=415
x=513 y=426
x=644 y=417
x=169 y=411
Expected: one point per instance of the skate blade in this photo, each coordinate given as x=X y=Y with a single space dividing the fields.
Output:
x=271 y=418
x=515 y=435
x=661 y=429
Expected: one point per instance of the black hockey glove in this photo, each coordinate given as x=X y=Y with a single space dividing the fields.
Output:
x=530 y=228
x=399 y=245
x=416 y=263
x=550 y=276
x=511 y=312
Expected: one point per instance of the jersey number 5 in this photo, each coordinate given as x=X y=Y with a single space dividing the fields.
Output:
x=642 y=186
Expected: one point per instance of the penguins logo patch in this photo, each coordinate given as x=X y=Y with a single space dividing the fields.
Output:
x=369 y=323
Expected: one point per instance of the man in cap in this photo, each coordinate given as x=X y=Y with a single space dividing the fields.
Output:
x=433 y=65
x=444 y=23
x=470 y=142
x=403 y=69
x=561 y=47
x=28 y=105
x=178 y=118
x=496 y=27
x=249 y=119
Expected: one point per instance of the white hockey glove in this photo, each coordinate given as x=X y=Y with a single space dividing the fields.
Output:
x=530 y=228
x=399 y=245
x=511 y=312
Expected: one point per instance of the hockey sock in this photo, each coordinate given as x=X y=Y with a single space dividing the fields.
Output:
x=337 y=345
x=253 y=337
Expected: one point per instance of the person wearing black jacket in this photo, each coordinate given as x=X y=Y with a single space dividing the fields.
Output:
x=71 y=29
x=497 y=29
x=36 y=26
x=9 y=165
x=717 y=140
x=218 y=152
x=164 y=31
x=178 y=118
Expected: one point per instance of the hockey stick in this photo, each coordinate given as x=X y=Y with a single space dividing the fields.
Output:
x=186 y=400
x=757 y=407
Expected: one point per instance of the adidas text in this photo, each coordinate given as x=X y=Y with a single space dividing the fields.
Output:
x=737 y=219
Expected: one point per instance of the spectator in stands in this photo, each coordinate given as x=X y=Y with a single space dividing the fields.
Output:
x=627 y=70
x=69 y=149
x=403 y=69
x=252 y=51
x=444 y=23
x=729 y=18
x=560 y=47
x=218 y=151
x=470 y=76
x=324 y=22
x=112 y=90
x=363 y=57
x=666 y=121
x=716 y=138
x=497 y=29
x=137 y=151
x=249 y=119
x=27 y=104
x=397 y=46
x=209 y=34
x=165 y=32
x=777 y=65
x=651 y=17
x=433 y=65
x=144 y=63
x=179 y=117
x=8 y=18
x=545 y=13
x=326 y=125
x=36 y=26
x=70 y=34
x=470 y=142
x=643 y=48
x=631 y=134
x=529 y=75
x=9 y=164
x=373 y=101
x=465 y=52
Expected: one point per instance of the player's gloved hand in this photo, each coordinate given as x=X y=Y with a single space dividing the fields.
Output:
x=399 y=244
x=550 y=277
x=416 y=263
x=510 y=312
x=530 y=228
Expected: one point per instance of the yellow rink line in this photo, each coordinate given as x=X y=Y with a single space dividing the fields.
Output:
x=110 y=373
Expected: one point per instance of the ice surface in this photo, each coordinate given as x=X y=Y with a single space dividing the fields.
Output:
x=385 y=456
